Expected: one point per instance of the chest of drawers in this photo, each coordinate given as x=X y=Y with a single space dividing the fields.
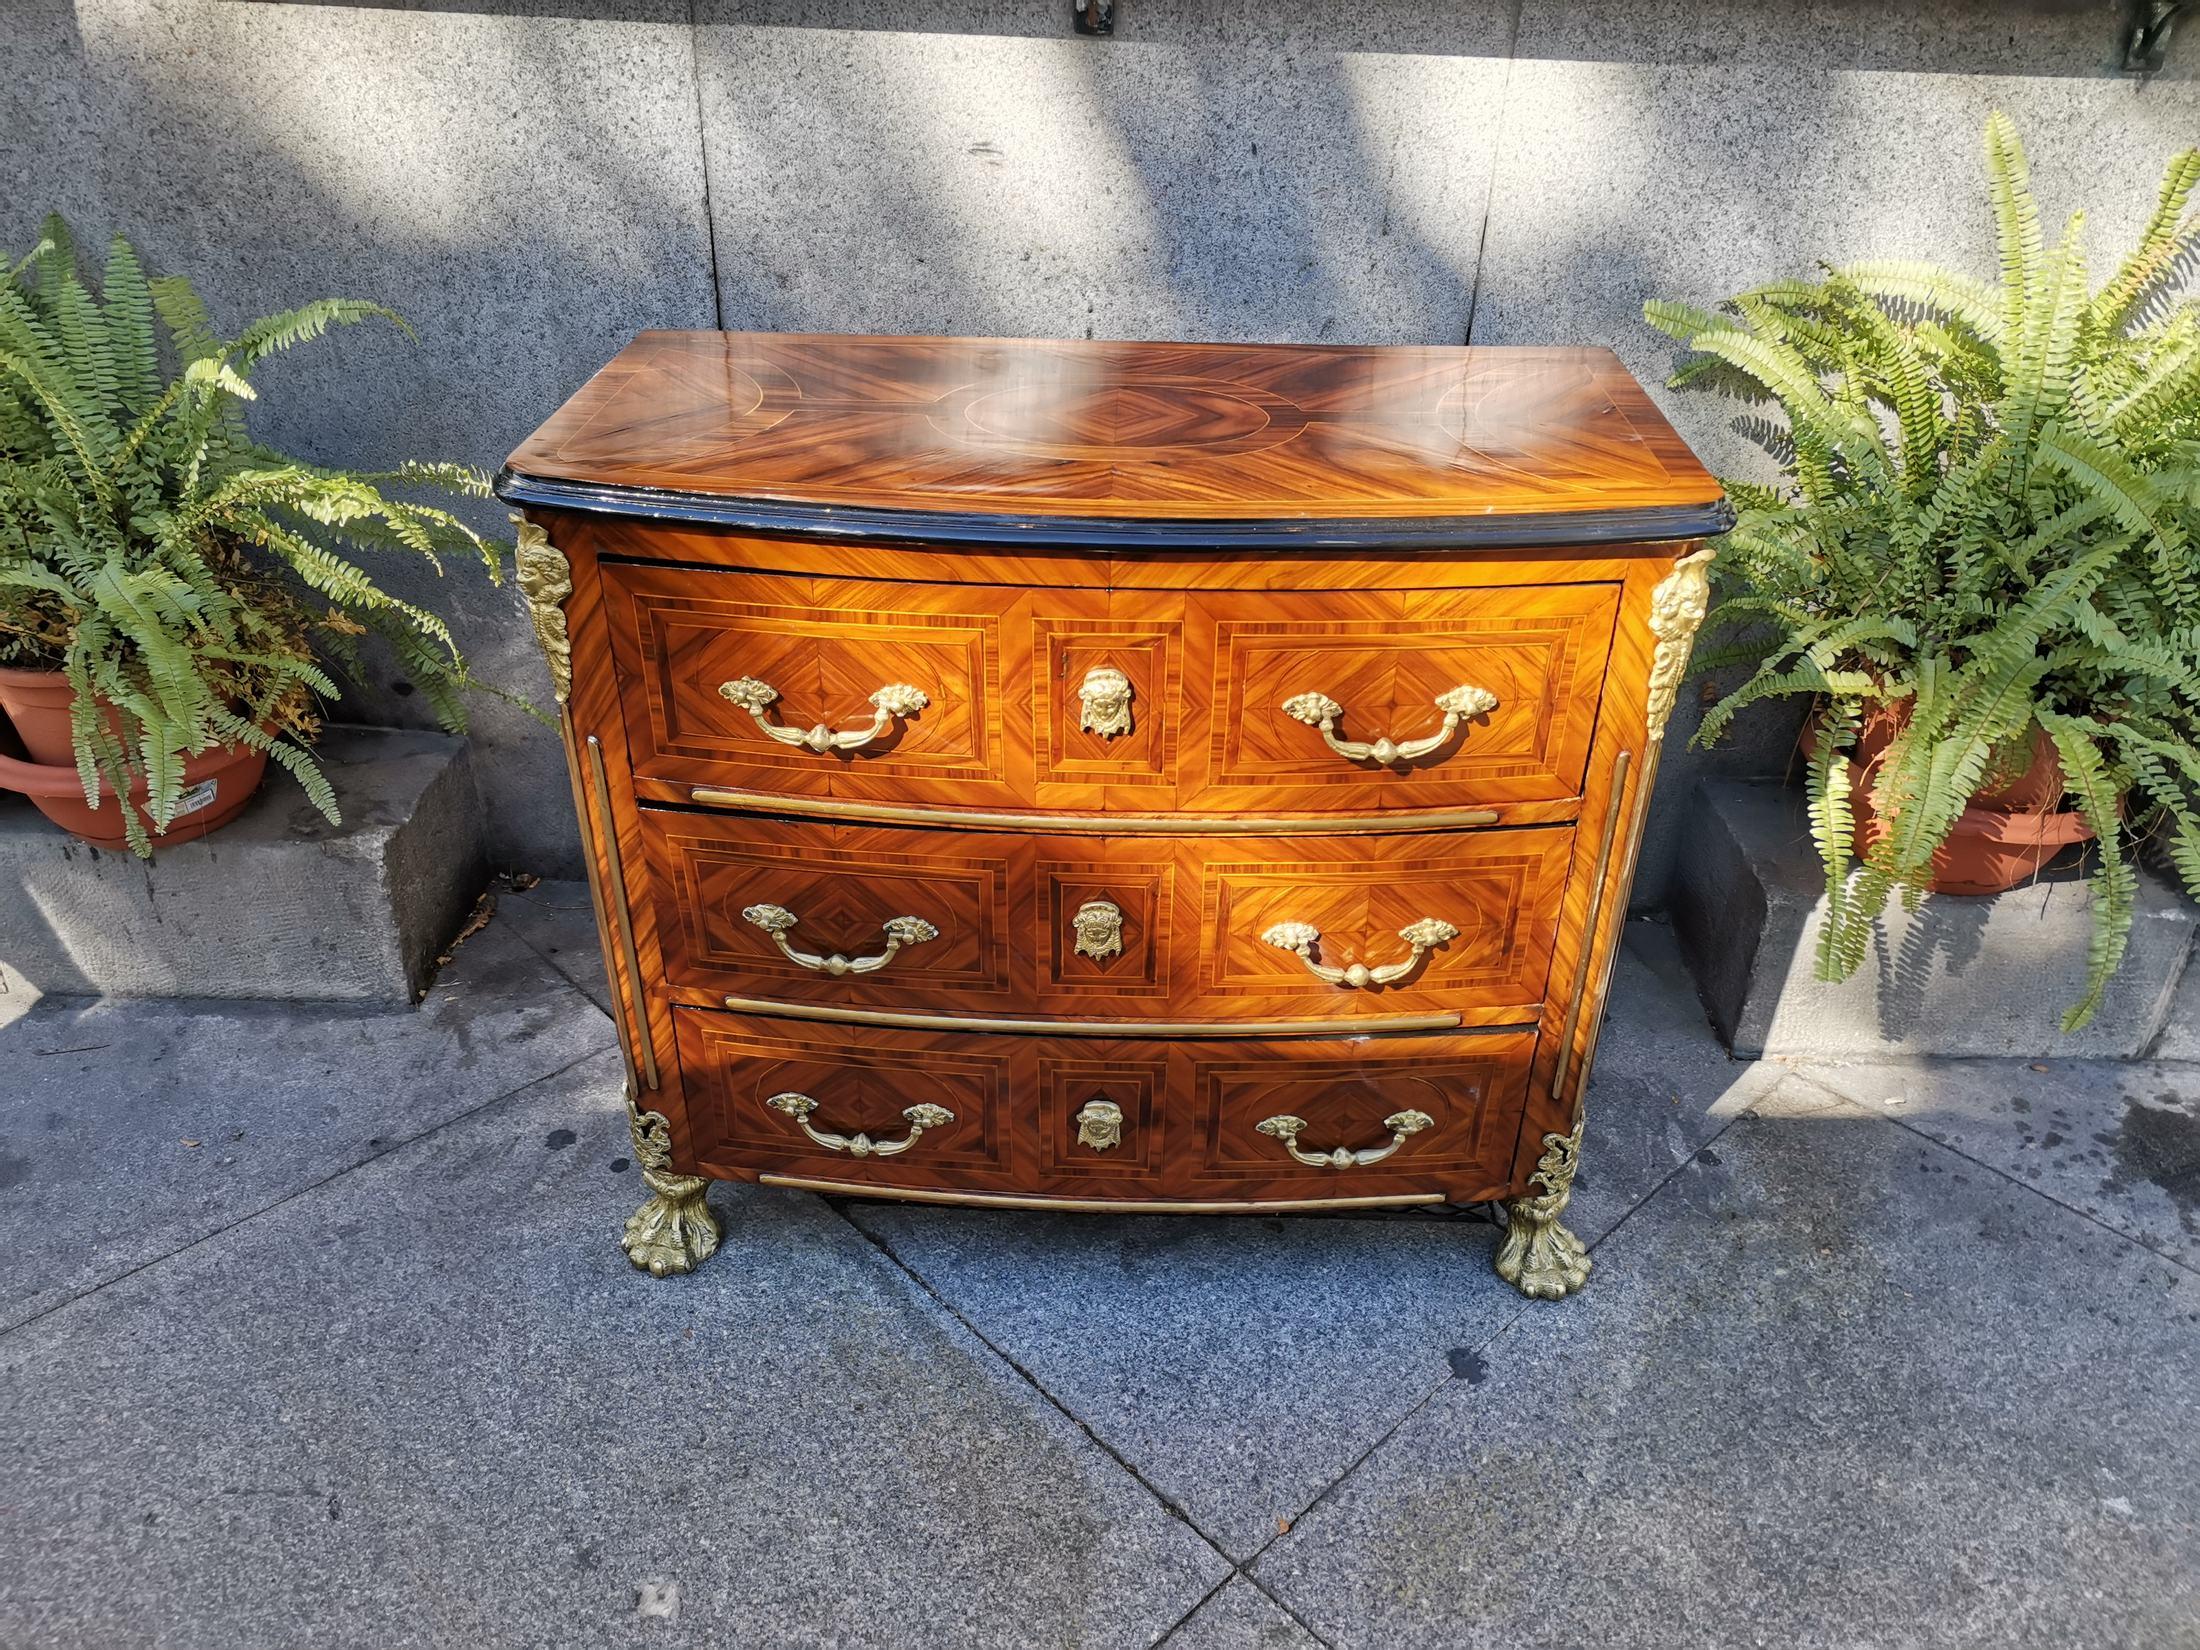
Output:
x=1158 y=776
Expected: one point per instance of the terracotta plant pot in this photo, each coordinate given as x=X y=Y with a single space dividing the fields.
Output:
x=37 y=702
x=2007 y=834
x=216 y=785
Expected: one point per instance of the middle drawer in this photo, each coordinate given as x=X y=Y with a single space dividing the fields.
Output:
x=1075 y=926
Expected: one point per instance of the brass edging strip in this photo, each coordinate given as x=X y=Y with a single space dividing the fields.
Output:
x=1113 y=1028
x=614 y=863
x=604 y=934
x=1612 y=811
x=892 y=813
x=1096 y=1205
x=1635 y=829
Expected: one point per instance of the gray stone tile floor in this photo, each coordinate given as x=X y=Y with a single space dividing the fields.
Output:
x=1876 y=1356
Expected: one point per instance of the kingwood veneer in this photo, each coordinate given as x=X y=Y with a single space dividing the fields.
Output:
x=1180 y=776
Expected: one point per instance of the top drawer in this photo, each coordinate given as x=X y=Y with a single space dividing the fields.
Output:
x=1091 y=701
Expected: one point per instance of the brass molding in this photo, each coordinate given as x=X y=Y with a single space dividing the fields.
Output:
x=616 y=895
x=1677 y=609
x=546 y=580
x=1615 y=805
x=1098 y=1206
x=605 y=935
x=892 y=813
x=1361 y=1026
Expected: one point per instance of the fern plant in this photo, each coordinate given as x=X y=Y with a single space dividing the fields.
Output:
x=187 y=580
x=1990 y=516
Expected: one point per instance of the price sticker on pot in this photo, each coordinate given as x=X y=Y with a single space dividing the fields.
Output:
x=198 y=796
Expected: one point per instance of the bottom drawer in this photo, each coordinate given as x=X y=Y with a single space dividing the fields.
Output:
x=1191 y=1119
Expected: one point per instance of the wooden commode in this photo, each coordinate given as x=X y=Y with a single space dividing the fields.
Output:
x=1086 y=775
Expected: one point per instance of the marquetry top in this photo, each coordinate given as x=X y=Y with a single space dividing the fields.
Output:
x=991 y=439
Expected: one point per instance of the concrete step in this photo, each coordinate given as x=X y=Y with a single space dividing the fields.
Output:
x=277 y=903
x=1959 y=976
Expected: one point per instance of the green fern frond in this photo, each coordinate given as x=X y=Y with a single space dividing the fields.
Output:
x=2161 y=242
x=2115 y=885
x=2016 y=219
x=1833 y=822
x=174 y=570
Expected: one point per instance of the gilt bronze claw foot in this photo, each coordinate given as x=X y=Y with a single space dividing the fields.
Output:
x=1539 y=1257
x=675 y=1230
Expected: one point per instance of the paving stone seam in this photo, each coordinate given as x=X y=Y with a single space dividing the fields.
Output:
x=303 y=1191
x=1667 y=1179
x=1032 y=1380
x=550 y=962
x=1078 y=1421
x=2135 y=1241
x=1491 y=1339
x=1169 y=1632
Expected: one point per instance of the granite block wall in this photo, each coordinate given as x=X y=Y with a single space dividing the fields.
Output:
x=530 y=181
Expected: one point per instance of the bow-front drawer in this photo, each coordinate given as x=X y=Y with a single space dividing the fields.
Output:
x=1095 y=927
x=1086 y=701
x=1313 y=1119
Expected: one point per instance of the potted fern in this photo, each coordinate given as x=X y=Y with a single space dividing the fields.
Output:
x=1982 y=560
x=168 y=587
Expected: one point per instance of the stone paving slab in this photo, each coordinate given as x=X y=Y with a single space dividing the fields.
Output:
x=1661 y=1086
x=2114 y=1140
x=432 y=1404
x=1837 y=1389
x=102 y=1100
x=1241 y=1365
x=1240 y=1617
x=557 y=919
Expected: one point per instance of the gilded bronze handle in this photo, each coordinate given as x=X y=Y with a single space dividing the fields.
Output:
x=1300 y=938
x=775 y=920
x=1318 y=710
x=896 y=699
x=1098 y=925
x=1099 y=1125
x=920 y=1118
x=1287 y=1129
x=1104 y=702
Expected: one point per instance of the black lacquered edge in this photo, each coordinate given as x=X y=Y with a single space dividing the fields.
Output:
x=1493 y=532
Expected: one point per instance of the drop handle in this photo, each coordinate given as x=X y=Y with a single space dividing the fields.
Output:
x=893 y=701
x=919 y=1118
x=775 y=920
x=1319 y=711
x=1300 y=938
x=1403 y=1125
